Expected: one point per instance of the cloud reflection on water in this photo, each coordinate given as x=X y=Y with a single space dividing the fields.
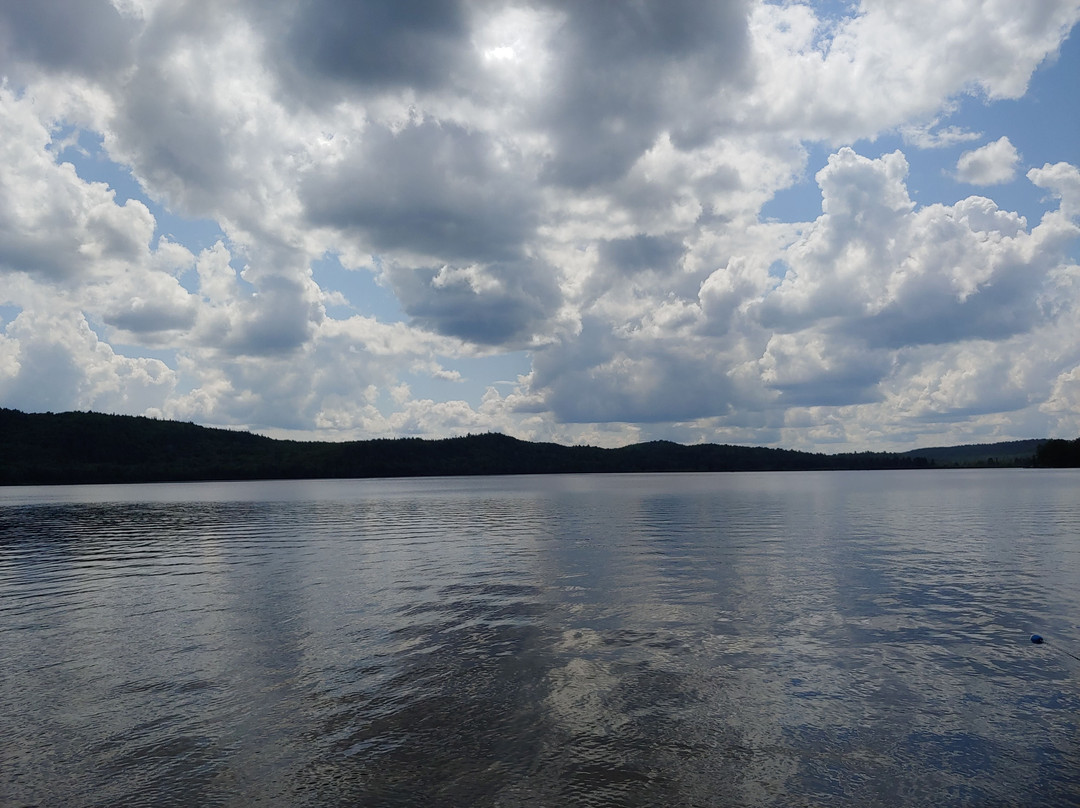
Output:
x=639 y=640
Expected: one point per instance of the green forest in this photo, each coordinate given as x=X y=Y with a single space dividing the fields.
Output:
x=87 y=447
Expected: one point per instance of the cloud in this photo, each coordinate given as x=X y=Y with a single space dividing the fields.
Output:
x=641 y=252
x=54 y=361
x=890 y=276
x=383 y=43
x=621 y=75
x=582 y=182
x=197 y=120
x=159 y=304
x=841 y=261
x=815 y=369
x=1063 y=181
x=490 y=304
x=627 y=377
x=868 y=285
x=992 y=164
x=863 y=304
x=53 y=225
x=889 y=64
x=929 y=136
x=434 y=190
x=334 y=381
x=71 y=36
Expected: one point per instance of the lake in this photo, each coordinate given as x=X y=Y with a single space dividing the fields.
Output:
x=784 y=639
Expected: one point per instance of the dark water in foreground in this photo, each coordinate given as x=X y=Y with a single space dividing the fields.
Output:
x=788 y=639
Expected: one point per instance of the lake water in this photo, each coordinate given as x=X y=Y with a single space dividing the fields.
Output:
x=839 y=639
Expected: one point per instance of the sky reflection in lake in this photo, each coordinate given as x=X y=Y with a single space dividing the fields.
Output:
x=740 y=639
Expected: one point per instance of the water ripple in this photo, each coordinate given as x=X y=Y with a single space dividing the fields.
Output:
x=705 y=640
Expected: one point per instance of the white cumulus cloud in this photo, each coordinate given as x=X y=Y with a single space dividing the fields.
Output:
x=991 y=164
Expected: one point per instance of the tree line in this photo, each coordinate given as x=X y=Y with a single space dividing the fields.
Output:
x=87 y=447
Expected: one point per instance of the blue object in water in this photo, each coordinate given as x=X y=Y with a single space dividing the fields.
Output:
x=1037 y=639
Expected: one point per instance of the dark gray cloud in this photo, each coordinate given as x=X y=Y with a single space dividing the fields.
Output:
x=322 y=49
x=76 y=36
x=398 y=42
x=642 y=252
x=852 y=385
x=628 y=71
x=149 y=317
x=433 y=189
x=31 y=255
x=490 y=304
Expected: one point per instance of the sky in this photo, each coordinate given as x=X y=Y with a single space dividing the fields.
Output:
x=827 y=226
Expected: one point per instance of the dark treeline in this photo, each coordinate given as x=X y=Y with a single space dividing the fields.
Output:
x=82 y=447
x=1058 y=454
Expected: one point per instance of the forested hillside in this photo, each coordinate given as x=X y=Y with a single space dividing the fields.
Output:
x=80 y=447
x=1058 y=454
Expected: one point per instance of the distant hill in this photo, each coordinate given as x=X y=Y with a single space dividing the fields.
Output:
x=1006 y=453
x=86 y=447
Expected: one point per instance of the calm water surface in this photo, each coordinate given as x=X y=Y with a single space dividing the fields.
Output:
x=704 y=640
